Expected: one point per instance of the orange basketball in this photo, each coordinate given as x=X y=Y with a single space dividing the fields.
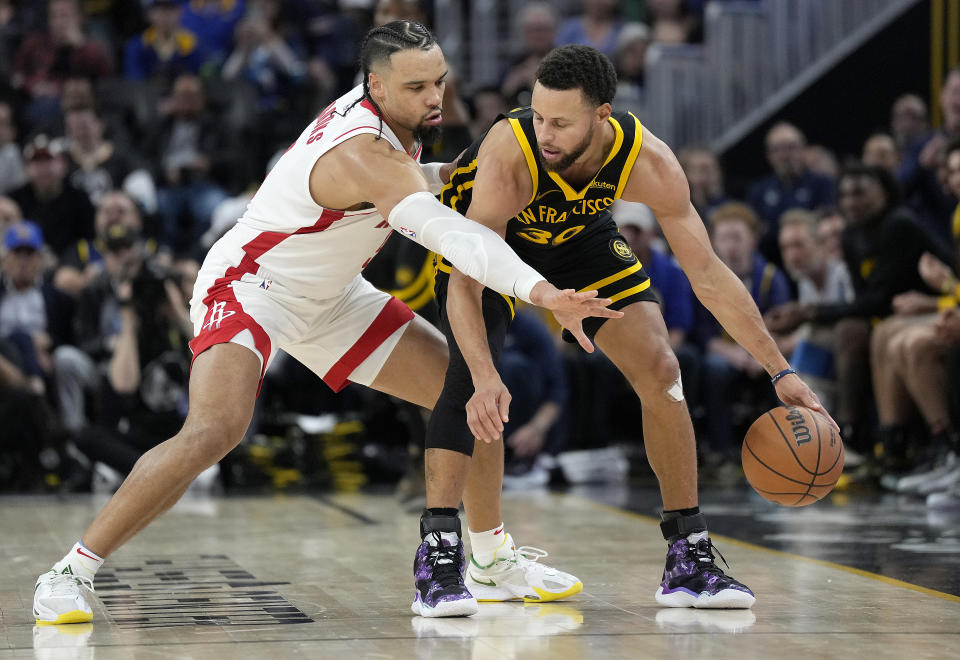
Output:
x=792 y=456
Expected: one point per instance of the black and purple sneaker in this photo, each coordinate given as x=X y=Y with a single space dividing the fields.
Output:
x=438 y=570
x=692 y=579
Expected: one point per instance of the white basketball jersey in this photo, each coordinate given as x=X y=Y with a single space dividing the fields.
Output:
x=309 y=250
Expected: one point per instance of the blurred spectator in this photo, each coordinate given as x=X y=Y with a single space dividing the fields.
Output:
x=909 y=364
x=34 y=316
x=629 y=59
x=532 y=369
x=820 y=278
x=77 y=93
x=118 y=225
x=728 y=370
x=263 y=57
x=830 y=226
x=165 y=49
x=11 y=32
x=909 y=121
x=918 y=173
x=145 y=389
x=47 y=58
x=213 y=22
x=64 y=213
x=672 y=22
x=12 y=174
x=9 y=214
x=113 y=22
x=880 y=150
x=538 y=30
x=882 y=246
x=488 y=103
x=822 y=161
x=792 y=184
x=190 y=151
x=97 y=166
x=705 y=178
x=598 y=26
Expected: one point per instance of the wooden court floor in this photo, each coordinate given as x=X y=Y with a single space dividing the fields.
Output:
x=309 y=577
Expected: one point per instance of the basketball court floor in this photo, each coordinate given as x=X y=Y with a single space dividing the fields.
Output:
x=300 y=576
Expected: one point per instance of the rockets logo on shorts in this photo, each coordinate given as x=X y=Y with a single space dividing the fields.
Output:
x=218 y=312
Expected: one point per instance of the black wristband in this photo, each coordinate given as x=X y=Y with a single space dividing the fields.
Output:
x=785 y=372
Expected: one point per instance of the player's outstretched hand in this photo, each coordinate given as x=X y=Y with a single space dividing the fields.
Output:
x=794 y=392
x=570 y=308
x=488 y=409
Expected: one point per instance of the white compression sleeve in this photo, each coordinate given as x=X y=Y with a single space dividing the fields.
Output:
x=432 y=172
x=475 y=250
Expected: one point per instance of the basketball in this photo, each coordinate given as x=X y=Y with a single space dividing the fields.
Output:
x=792 y=456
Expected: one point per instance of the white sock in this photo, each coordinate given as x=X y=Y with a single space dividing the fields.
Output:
x=79 y=561
x=484 y=545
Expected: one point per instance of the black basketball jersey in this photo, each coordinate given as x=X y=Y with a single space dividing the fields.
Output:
x=558 y=217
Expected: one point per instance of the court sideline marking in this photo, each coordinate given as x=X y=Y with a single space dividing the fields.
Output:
x=753 y=546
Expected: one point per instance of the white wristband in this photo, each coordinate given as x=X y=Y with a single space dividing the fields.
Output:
x=432 y=172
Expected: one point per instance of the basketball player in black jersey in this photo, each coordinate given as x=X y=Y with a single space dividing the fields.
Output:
x=544 y=177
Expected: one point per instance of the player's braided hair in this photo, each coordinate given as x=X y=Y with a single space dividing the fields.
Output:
x=579 y=67
x=382 y=42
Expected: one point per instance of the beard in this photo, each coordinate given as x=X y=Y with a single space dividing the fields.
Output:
x=567 y=159
x=427 y=135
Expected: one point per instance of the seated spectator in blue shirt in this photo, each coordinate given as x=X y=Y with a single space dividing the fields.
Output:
x=34 y=316
x=165 y=49
x=734 y=230
x=705 y=177
x=213 y=21
x=598 y=26
x=792 y=185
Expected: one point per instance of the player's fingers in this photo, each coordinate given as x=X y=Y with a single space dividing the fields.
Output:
x=605 y=312
x=579 y=296
x=473 y=422
x=504 y=406
x=577 y=332
x=491 y=418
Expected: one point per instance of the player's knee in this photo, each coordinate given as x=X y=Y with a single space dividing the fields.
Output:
x=659 y=377
x=209 y=440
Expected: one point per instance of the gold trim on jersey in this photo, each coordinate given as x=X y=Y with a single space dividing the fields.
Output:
x=466 y=169
x=528 y=154
x=599 y=284
x=631 y=158
x=568 y=192
x=643 y=286
x=445 y=268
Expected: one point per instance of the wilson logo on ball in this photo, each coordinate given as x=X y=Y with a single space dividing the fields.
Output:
x=798 y=425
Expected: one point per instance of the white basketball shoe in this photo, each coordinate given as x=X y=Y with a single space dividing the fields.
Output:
x=59 y=598
x=516 y=574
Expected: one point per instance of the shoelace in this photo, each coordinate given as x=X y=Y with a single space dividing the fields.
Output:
x=529 y=553
x=443 y=558
x=702 y=554
x=63 y=584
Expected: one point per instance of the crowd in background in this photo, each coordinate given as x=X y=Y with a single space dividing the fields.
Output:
x=132 y=134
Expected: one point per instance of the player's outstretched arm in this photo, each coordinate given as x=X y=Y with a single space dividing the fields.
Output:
x=366 y=169
x=658 y=181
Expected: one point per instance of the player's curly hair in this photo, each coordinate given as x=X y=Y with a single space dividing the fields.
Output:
x=579 y=67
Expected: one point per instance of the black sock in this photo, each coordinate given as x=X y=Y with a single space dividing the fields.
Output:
x=677 y=513
x=680 y=523
x=440 y=511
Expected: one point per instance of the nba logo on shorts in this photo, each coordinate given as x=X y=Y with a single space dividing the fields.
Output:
x=217 y=315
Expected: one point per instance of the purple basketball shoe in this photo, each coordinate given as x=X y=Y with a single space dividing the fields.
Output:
x=438 y=570
x=692 y=579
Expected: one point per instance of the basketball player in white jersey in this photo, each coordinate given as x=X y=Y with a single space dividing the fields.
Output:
x=288 y=276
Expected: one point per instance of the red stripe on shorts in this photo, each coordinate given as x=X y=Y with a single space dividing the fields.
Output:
x=393 y=315
x=221 y=291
